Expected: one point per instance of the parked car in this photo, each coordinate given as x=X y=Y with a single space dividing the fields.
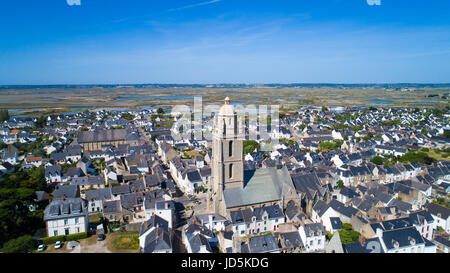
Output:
x=101 y=237
x=58 y=244
x=41 y=247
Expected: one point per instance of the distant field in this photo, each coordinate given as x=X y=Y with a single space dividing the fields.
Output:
x=52 y=100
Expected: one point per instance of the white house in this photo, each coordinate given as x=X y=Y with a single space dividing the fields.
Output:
x=313 y=237
x=66 y=216
x=212 y=221
x=441 y=216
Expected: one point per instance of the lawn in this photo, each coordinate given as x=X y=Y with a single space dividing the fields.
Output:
x=123 y=242
x=439 y=155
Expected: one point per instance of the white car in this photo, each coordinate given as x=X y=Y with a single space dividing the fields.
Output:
x=41 y=247
x=58 y=244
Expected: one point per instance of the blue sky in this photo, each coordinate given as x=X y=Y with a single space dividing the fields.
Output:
x=224 y=41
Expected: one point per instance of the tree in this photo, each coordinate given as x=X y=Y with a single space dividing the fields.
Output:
x=324 y=109
x=21 y=244
x=160 y=111
x=378 y=160
x=340 y=184
x=348 y=235
x=127 y=116
x=423 y=131
x=40 y=122
x=250 y=146
x=4 y=115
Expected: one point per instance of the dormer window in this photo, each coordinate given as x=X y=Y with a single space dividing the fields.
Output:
x=395 y=244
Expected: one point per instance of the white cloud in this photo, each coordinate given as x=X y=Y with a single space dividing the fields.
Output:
x=74 y=2
x=195 y=5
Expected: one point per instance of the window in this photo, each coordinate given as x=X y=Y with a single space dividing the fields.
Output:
x=55 y=233
x=78 y=230
x=65 y=222
x=242 y=232
x=231 y=170
x=230 y=148
x=76 y=220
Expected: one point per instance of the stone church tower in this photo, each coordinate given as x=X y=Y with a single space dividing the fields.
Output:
x=227 y=164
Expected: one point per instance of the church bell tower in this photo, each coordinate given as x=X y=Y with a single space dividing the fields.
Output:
x=227 y=155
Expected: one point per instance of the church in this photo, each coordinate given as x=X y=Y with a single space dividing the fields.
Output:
x=232 y=187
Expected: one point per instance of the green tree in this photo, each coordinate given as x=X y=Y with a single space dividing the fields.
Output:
x=4 y=115
x=348 y=235
x=40 y=122
x=21 y=244
x=160 y=111
x=340 y=184
x=250 y=146
x=127 y=116
x=378 y=160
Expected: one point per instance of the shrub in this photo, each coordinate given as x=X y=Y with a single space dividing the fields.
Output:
x=52 y=240
x=70 y=237
x=77 y=236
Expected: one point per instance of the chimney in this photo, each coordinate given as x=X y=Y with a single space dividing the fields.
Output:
x=166 y=205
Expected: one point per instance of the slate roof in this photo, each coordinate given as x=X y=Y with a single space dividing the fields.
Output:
x=438 y=210
x=101 y=135
x=443 y=241
x=112 y=207
x=291 y=209
x=274 y=212
x=262 y=244
x=348 y=192
x=197 y=241
x=67 y=191
x=153 y=222
x=400 y=205
x=308 y=184
x=417 y=217
x=53 y=170
x=320 y=207
x=260 y=186
x=342 y=209
x=402 y=237
x=372 y=245
x=98 y=194
x=70 y=207
x=336 y=223
x=122 y=189
x=292 y=239
x=315 y=229
x=157 y=240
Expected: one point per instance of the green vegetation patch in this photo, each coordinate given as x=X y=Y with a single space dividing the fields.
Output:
x=126 y=242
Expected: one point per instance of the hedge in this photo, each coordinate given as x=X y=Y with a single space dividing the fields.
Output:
x=52 y=240
x=70 y=237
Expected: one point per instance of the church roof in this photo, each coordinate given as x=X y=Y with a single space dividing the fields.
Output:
x=260 y=186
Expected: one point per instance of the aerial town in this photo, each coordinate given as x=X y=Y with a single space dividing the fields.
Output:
x=354 y=179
